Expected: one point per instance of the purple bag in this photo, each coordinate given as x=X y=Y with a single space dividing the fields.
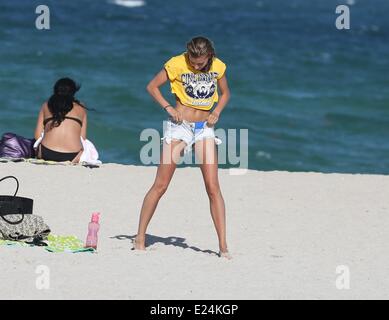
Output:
x=14 y=146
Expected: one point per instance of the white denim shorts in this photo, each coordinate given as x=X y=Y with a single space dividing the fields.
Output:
x=189 y=132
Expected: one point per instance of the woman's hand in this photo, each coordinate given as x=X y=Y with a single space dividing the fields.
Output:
x=212 y=119
x=175 y=114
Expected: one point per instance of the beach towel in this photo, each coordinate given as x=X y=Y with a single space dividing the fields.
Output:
x=14 y=243
x=49 y=162
x=55 y=244
x=8 y=159
x=36 y=161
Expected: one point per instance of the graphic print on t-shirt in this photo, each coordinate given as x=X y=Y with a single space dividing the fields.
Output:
x=199 y=86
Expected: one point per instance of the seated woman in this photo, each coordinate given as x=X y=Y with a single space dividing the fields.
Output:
x=63 y=120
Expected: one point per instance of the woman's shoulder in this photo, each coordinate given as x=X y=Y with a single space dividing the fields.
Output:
x=79 y=106
x=45 y=107
x=176 y=60
x=218 y=63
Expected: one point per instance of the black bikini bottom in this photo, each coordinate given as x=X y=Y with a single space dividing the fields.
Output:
x=48 y=154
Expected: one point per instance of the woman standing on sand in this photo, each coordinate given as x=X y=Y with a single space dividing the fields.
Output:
x=195 y=77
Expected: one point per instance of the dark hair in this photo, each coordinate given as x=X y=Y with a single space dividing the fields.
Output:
x=61 y=102
x=201 y=46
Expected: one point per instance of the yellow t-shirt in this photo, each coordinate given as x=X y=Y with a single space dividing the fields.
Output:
x=195 y=89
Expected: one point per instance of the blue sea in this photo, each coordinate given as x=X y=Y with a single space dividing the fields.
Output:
x=313 y=98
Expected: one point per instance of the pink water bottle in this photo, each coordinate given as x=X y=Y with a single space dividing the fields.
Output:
x=93 y=228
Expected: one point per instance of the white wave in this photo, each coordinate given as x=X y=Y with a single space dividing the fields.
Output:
x=263 y=154
x=128 y=3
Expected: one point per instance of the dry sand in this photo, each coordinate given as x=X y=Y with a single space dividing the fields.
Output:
x=287 y=232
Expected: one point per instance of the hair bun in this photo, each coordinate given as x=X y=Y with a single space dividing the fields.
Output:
x=64 y=91
x=66 y=87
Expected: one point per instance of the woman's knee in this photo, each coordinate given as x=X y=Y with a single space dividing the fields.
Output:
x=213 y=189
x=160 y=187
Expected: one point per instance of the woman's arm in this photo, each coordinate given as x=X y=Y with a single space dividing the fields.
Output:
x=39 y=124
x=153 y=90
x=84 y=126
x=223 y=99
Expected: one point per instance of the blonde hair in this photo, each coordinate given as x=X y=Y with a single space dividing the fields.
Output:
x=201 y=46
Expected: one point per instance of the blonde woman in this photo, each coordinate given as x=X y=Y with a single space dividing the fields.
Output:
x=198 y=81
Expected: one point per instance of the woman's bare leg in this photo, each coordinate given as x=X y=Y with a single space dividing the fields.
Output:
x=77 y=158
x=170 y=155
x=207 y=154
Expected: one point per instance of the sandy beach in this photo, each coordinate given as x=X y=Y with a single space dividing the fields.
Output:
x=287 y=232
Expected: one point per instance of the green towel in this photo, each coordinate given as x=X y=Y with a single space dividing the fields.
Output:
x=65 y=244
x=13 y=243
x=55 y=243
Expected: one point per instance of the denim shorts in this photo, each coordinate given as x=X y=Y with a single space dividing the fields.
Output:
x=189 y=132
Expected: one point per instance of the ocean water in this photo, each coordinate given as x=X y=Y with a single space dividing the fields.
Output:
x=313 y=98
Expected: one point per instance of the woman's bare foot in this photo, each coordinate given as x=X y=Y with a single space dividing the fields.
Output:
x=138 y=244
x=225 y=254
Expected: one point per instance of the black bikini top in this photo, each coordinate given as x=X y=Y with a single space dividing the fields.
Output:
x=71 y=118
